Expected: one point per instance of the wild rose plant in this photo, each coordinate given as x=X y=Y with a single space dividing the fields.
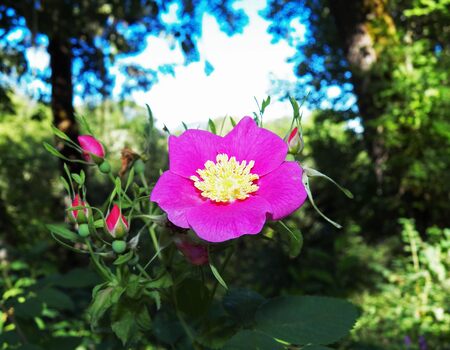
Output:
x=162 y=250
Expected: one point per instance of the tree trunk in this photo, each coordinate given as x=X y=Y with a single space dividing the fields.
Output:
x=356 y=21
x=62 y=96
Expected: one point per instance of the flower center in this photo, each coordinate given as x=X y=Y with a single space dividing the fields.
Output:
x=226 y=180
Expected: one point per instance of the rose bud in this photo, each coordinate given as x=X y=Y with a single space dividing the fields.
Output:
x=116 y=223
x=295 y=142
x=196 y=254
x=93 y=150
x=79 y=216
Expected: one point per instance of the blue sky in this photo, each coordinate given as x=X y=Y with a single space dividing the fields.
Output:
x=243 y=67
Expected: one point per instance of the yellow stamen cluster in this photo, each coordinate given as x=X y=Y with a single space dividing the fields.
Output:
x=226 y=180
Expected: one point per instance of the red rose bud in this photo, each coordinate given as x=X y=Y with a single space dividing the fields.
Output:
x=295 y=142
x=79 y=216
x=116 y=223
x=196 y=254
x=93 y=150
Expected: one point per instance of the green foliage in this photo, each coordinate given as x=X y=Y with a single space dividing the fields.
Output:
x=413 y=298
x=306 y=320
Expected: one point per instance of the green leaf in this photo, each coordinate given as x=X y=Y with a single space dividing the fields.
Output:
x=151 y=121
x=215 y=333
x=165 y=281
x=192 y=297
x=59 y=133
x=311 y=199
x=53 y=151
x=316 y=347
x=30 y=308
x=184 y=126
x=295 y=238
x=233 y=122
x=306 y=319
x=123 y=259
x=217 y=276
x=130 y=179
x=78 y=179
x=77 y=278
x=124 y=326
x=241 y=304
x=212 y=126
x=143 y=319
x=55 y=299
x=167 y=328
x=84 y=124
x=312 y=172
x=65 y=185
x=252 y=340
x=63 y=232
x=103 y=300
x=295 y=107
x=265 y=103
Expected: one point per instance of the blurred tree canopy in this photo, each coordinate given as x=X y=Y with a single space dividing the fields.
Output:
x=393 y=56
x=84 y=38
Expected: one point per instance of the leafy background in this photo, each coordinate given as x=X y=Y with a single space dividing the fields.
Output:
x=392 y=256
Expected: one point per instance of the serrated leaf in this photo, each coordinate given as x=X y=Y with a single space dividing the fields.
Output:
x=143 y=319
x=218 y=276
x=306 y=319
x=124 y=326
x=252 y=340
x=63 y=232
x=102 y=302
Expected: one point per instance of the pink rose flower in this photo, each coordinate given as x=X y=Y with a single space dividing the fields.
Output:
x=294 y=141
x=79 y=215
x=196 y=254
x=92 y=148
x=226 y=187
x=116 y=223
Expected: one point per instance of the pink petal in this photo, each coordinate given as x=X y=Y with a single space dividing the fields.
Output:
x=91 y=145
x=190 y=151
x=283 y=189
x=175 y=195
x=215 y=222
x=113 y=218
x=248 y=142
x=75 y=203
